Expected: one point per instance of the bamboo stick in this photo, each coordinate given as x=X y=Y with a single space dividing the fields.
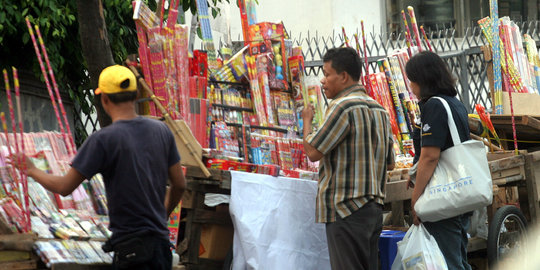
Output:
x=476 y=137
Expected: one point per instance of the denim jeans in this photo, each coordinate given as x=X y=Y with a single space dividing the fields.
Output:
x=451 y=236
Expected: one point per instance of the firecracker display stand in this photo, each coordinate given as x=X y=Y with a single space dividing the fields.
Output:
x=246 y=110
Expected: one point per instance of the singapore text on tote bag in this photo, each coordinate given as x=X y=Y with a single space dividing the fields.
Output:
x=461 y=181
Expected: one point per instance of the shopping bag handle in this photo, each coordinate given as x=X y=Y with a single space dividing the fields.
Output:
x=451 y=123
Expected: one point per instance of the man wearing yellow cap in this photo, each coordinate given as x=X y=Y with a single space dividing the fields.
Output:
x=136 y=156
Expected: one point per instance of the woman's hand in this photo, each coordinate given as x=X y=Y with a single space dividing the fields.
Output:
x=410 y=183
x=416 y=220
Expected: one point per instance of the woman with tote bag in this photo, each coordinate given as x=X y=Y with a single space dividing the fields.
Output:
x=430 y=80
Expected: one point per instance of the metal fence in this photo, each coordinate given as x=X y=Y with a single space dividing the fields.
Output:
x=85 y=117
x=462 y=54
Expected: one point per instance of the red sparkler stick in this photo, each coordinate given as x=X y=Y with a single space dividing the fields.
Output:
x=358 y=52
x=161 y=15
x=24 y=174
x=12 y=170
x=408 y=40
x=357 y=43
x=505 y=55
x=415 y=28
x=47 y=83
x=3 y=182
x=366 y=80
x=71 y=144
x=12 y=116
x=426 y=38
x=345 y=37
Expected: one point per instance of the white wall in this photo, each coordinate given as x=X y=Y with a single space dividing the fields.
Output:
x=301 y=16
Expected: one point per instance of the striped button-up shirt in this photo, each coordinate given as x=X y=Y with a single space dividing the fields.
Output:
x=356 y=142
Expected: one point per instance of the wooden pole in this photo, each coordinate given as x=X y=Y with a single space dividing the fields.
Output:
x=176 y=128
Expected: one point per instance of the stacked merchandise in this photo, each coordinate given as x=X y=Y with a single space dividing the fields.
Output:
x=179 y=82
x=243 y=109
x=231 y=105
x=520 y=66
x=79 y=219
x=72 y=251
x=390 y=88
x=244 y=150
x=72 y=237
x=163 y=53
x=260 y=128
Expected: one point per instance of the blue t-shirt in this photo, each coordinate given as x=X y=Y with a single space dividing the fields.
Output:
x=134 y=157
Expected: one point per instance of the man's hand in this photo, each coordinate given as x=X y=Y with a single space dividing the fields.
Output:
x=307 y=113
x=20 y=161
x=63 y=185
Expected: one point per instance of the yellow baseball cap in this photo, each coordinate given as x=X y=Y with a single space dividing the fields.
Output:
x=116 y=79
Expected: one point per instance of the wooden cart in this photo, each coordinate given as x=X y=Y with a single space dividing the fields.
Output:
x=516 y=202
x=200 y=217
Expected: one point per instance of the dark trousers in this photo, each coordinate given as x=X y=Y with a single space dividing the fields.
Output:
x=161 y=259
x=353 y=242
x=451 y=236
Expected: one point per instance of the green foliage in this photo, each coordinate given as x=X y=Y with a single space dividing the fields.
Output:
x=121 y=28
x=58 y=25
x=57 y=20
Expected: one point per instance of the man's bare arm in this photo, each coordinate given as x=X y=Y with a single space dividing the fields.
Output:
x=177 y=188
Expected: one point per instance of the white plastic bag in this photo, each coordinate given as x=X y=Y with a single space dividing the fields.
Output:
x=479 y=224
x=401 y=245
x=420 y=251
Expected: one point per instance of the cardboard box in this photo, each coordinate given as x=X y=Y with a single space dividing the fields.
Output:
x=216 y=240
x=523 y=103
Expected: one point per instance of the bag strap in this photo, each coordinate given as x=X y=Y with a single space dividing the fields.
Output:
x=451 y=123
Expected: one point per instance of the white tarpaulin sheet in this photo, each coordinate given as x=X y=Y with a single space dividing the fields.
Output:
x=274 y=223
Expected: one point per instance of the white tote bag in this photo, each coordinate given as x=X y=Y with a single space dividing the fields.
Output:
x=461 y=181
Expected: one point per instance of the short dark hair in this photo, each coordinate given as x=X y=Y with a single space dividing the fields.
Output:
x=122 y=97
x=429 y=71
x=345 y=59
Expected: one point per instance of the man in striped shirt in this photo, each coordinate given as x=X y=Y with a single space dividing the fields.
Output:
x=354 y=146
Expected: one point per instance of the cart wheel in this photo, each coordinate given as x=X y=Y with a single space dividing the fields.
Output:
x=506 y=230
